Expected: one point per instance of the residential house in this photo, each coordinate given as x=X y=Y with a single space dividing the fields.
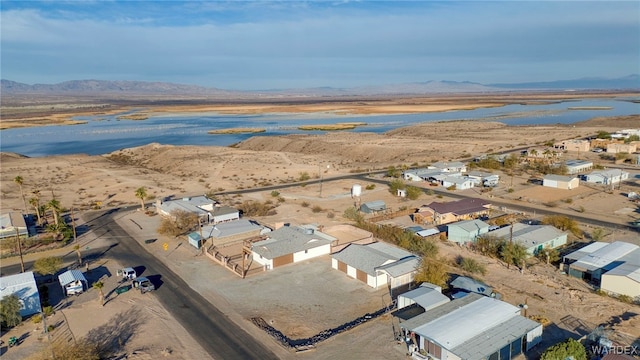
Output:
x=12 y=224
x=377 y=264
x=560 y=182
x=606 y=177
x=24 y=286
x=199 y=205
x=576 y=145
x=420 y=174
x=472 y=327
x=221 y=214
x=533 y=237
x=481 y=178
x=465 y=209
x=460 y=183
x=578 y=166
x=466 y=231
x=590 y=262
x=625 y=134
x=449 y=166
x=373 y=207
x=233 y=231
x=615 y=148
x=288 y=245
x=540 y=155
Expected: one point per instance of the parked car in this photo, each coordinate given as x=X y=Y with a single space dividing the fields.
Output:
x=144 y=284
x=127 y=273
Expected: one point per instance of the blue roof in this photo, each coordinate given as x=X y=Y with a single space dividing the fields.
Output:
x=71 y=276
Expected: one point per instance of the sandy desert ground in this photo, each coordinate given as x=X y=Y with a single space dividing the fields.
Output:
x=85 y=182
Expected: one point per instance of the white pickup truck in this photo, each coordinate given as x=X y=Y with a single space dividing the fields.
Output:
x=127 y=273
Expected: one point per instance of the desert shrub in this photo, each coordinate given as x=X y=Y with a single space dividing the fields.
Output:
x=353 y=214
x=413 y=192
x=275 y=193
x=179 y=222
x=395 y=185
x=36 y=319
x=471 y=265
x=563 y=223
x=316 y=209
x=281 y=199
x=256 y=208
x=370 y=187
x=570 y=348
x=452 y=187
x=51 y=327
x=510 y=190
x=601 y=292
x=47 y=265
x=331 y=215
x=625 y=299
x=48 y=310
x=568 y=200
x=432 y=270
x=304 y=176
x=430 y=192
x=305 y=204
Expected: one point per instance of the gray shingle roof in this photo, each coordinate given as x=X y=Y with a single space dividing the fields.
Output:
x=288 y=240
x=370 y=256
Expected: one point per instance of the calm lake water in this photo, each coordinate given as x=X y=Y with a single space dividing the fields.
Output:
x=104 y=134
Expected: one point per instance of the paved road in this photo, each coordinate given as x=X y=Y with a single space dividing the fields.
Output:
x=213 y=330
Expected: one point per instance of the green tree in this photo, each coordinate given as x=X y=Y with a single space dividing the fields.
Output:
x=10 y=311
x=179 y=222
x=395 y=185
x=513 y=254
x=488 y=245
x=597 y=234
x=353 y=214
x=568 y=349
x=563 y=223
x=471 y=265
x=603 y=135
x=394 y=172
x=632 y=138
x=141 y=193
x=98 y=285
x=49 y=265
x=433 y=271
x=20 y=181
x=548 y=255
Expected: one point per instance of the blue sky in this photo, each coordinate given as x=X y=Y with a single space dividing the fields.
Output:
x=252 y=45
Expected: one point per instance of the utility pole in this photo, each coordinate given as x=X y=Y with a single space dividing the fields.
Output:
x=20 y=249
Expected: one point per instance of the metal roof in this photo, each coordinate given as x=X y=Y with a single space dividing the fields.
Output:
x=605 y=257
x=370 y=256
x=585 y=250
x=223 y=210
x=230 y=228
x=71 y=276
x=558 y=177
x=460 y=207
x=495 y=338
x=375 y=205
x=288 y=240
x=459 y=328
x=401 y=267
x=529 y=235
x=470 y=225
x=627 y=270
x=428 y=232
x=20 y=279
x=426 y=297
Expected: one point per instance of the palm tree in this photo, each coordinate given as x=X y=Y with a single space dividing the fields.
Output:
x=54 y=205
x=99 y=285
x=19 y=180
x=141 y=193
x=36 y=205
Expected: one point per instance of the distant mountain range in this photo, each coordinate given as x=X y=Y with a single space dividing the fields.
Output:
x=105 y=88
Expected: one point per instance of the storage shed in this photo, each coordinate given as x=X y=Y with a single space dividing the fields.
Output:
x=427 y=296
x=623 y=279
x=25 y=288
x=373 y=207
x=73 y=282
